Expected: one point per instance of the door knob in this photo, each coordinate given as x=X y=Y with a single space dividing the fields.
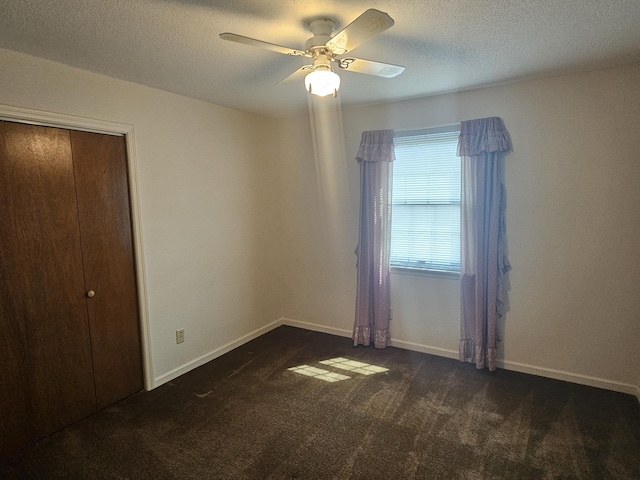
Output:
x=91 y=294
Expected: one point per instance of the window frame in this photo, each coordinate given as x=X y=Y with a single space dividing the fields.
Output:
x=410 y=270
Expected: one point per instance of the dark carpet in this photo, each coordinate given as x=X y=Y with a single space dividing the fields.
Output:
x=245 y=415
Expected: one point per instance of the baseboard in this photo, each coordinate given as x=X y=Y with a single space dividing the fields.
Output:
x=571 y=377
x=442 y=352
x=417 y=347
x=167 y=377
x=507 y=365
x=315 y=327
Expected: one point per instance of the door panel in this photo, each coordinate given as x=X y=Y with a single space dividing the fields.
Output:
x=15 y=429
x=103 y=203
x=42 y=284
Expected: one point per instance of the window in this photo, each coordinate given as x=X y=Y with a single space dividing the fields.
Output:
x=425 y=226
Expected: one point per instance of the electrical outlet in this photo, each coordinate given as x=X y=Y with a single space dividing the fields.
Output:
x=180 y=335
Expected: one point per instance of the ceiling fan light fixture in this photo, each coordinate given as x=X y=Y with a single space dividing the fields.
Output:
x=324 y=49
x=322 y=82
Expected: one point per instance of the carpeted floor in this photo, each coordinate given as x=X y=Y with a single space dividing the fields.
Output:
x=246 y=415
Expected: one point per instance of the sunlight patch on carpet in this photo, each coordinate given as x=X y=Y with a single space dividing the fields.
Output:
x=340 y=363
x=353 y=366
x=325 y=375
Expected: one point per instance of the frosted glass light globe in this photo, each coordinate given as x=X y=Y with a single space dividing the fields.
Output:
x=322 y=82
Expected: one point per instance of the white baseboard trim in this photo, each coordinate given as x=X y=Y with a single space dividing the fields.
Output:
x=570 y=377
x=442 y=352
x=167 y=377
x=505 y=364
x=340 y=332
x=417 y=347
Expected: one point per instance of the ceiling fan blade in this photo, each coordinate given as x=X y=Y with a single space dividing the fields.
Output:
x=370 y=68
x=259 y=43
x=298 y=75
x=367 y=25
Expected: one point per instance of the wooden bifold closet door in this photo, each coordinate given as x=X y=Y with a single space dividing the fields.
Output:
x=69 y=328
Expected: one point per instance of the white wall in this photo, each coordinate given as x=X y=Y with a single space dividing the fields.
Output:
x=572 y=227
x=243 y=224
x=204 y=191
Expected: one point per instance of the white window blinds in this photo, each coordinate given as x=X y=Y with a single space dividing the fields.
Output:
x=425 y=231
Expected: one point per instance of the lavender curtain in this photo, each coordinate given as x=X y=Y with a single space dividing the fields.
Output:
x=483 y=264
x=372 y=295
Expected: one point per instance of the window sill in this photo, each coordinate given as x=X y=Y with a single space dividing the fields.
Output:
x=421 y=272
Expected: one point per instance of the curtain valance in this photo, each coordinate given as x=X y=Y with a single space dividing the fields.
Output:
x=376 y=146
x=484 y=135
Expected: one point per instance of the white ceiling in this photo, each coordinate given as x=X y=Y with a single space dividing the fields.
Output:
x=445 y=45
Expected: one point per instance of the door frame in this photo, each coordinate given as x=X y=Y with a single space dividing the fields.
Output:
x=71 y=122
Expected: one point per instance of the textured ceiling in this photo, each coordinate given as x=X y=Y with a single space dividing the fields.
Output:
x=445 y=45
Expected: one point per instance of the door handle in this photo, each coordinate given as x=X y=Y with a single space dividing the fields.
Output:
x=91 y=294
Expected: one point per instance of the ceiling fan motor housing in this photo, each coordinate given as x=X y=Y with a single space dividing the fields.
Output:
x=321 y=29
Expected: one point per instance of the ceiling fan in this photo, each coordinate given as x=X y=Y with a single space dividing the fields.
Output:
x=323 y=48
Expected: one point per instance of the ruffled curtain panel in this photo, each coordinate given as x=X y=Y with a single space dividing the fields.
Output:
x=482 y=146
x=373 y=301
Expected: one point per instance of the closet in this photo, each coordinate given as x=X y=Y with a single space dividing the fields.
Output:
x=69 y=327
